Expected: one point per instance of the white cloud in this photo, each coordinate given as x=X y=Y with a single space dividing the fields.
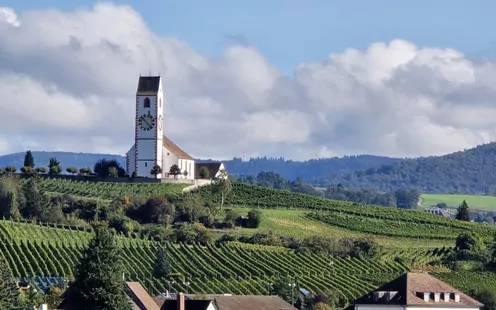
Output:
x=67 y=81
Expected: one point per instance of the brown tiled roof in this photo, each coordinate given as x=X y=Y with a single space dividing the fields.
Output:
x=250 y=302
x=140 y=296
x=174 y=149
x=212 y=168
x=409 y=288
x=148 y=84
x=189 y=304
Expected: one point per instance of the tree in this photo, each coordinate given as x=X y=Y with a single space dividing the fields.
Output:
x=162 y=268
x=28 y=160
x=53 y=166
x=102 y=167
x=286 y=288
x=72 y=170
x=85 y=171
x=9 y=294
x=40 y=170
x=113 y=172
x=254 y=218
x=174 y=170
x=99 y=282
x=204 y=173
x=463 y=213
x=156 y=170
x=27 y=170
x=10 y=169
x=486 y=296
x=185 y=173
x=222 y=185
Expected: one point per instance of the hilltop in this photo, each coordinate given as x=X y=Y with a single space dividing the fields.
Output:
x=471 y=171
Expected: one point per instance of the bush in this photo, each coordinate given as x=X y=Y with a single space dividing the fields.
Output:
x=254 y=218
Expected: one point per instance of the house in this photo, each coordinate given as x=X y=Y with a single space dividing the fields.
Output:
x=227 y=302
x=212 y=169
x=137 y=295
x=438 y=211
x=415 y=291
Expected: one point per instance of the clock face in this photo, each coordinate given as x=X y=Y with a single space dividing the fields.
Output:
x=146 y=122
x=160 y=122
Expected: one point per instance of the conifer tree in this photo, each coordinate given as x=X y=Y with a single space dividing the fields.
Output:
x=463 y=213
x=9 y=293
x=28 y=160
x=162 y=267
x=99 y=283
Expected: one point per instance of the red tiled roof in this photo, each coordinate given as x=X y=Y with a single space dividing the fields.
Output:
x=174 y=149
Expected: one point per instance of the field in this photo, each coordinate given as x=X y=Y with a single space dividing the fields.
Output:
x=475 y=202
x=34 y=250
x=411 y=241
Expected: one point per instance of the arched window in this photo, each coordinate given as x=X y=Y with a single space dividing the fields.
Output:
x=147 y=102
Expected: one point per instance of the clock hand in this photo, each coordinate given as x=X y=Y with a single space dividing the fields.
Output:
x=146 y=122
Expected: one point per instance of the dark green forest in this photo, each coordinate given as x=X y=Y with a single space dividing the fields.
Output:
x=471 y=171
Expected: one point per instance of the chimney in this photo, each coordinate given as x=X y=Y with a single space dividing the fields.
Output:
x=437 y=297
x=457 y=297
x=427 y=296
x=446 y=297
x=180 y=301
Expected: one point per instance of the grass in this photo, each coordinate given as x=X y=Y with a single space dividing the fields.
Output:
x=475 y=202
x=294 y=223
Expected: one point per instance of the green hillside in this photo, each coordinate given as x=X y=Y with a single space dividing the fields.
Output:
x=406 y=240
x=471 y=171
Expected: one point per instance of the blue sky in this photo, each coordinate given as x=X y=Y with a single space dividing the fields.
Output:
x=290 y=31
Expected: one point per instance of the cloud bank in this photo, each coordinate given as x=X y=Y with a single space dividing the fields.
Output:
x=67 y=82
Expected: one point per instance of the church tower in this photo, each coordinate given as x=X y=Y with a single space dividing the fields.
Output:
x=148 y=139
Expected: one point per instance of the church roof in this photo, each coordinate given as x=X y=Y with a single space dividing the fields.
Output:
x=148 y=84
x=174 y=149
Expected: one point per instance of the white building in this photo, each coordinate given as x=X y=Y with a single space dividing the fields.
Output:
x=416 y=291
x=151 y=147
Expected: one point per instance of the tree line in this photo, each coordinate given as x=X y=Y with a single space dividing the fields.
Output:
x=401 y=198
x=103 y=168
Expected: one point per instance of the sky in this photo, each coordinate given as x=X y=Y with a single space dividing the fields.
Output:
x=297 y=79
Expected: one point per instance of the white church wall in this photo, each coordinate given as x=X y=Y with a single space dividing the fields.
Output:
x=168 y=160
x=187 y=165
x=130 y=161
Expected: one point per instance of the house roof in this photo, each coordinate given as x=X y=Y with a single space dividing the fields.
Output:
x=212 y=168
x=174 y=149
x=409 y=289
x=189 y=304
x=140 y=296
x=249 y=302
x=148 y=84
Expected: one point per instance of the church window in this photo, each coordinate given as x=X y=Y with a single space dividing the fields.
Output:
x=160 y=103
x=146 y=164
x=147 y=102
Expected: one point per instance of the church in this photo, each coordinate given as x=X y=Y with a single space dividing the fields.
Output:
x=151 y=146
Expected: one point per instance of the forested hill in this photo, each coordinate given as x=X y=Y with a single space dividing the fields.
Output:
x=471 y=171
x=307 y=170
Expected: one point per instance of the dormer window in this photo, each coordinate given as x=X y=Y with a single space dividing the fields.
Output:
x=147 y=102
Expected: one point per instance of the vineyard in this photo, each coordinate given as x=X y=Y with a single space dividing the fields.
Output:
x=108 y=190
x=39 y=251
x=369 y=219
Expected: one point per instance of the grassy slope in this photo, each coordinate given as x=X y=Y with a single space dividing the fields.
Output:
x=242 y=268
x=476 y=202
